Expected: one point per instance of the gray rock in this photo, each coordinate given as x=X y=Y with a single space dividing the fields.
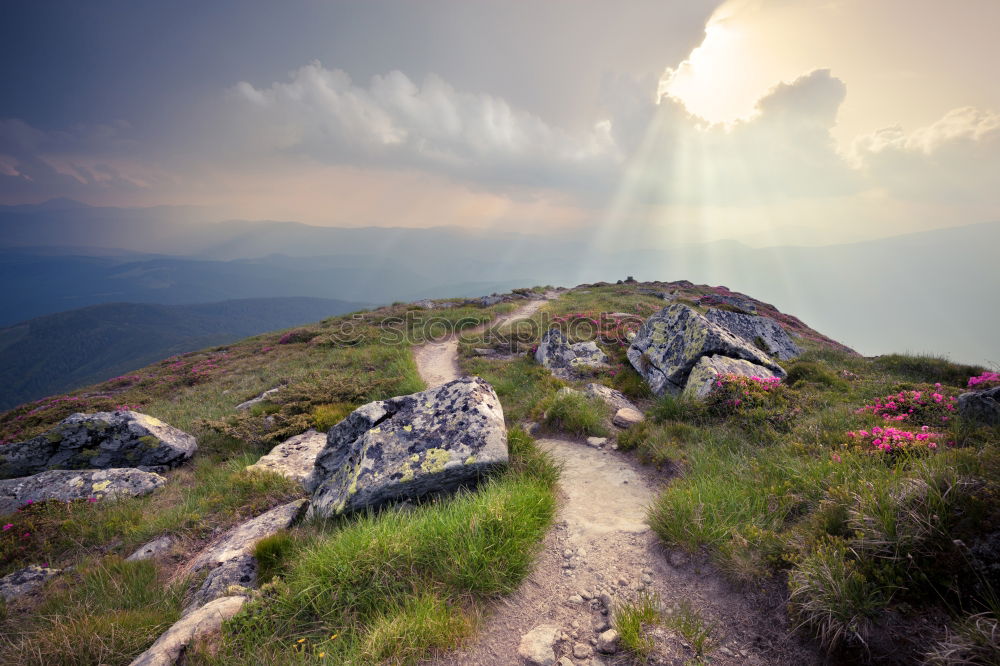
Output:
x=981 y=406
x=263 y=397
x=295 y=457
x=487 y=301
x=240 y=540
x=597 y=442
x=155 y=548
x=68 y=485
x=614 y=399
x=762 y=332
x=25 y=581
x=205 y=621
x=101 y=440
x=426 y=304
x=582 y=651
x=565 y=359
x=707 y=371
x=410 y=446
x=240 y=571
x=564 y=661
x=575 y=599
x=736 y=300
x=627 y=417
x=537 y=647
x=671 y=342
x=607 y=642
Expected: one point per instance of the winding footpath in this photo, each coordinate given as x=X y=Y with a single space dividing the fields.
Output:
x=601 y=547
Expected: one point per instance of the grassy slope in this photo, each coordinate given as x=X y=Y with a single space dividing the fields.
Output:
x=767 y=491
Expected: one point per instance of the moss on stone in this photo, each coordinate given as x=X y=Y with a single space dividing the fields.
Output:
x=149 y=441
x=434 y=461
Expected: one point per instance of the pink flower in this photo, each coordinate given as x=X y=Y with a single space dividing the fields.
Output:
x=835 y=458
x=877 y=442
x=8 y=526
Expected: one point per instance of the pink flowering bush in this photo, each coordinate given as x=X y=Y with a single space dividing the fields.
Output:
x=985 y=380
x=891 y=440
x=752 y=402
x=932 y=406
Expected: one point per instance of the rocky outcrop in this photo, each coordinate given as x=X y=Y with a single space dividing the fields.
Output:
x=263 y=397
x=68 y=485
x=204 y=622
x=410 y=446
x=565 y=360
x=241 y=539
x=709 y=368
x=294 y=458
x=981 y=406
x=239 y=573
x=763 y=332
x=671 y=342
x=614 y=399
x=25 y=581
x=102 y=440
x=150 y=551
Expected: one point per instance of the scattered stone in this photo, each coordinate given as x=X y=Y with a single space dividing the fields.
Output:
x=575 y=599
x=263 y=397
x=567 y=553
x=482 y=351
x=582 y=651
x=623 y=581
x=981 y=406
x=205 y=621
x=762 y=332
x=295 y=457
x=709 y=368
x=537 y=647
x=614 y=399
x=647 y=579
x=100 y=441
x=607 y=642
x=240 y=571
x=564 y=661
x=671 y=342
x=68 y=485
x=627 y=417
x=410 y=446
x=597 y=442
x=241 y=539
x=585 y=595
x=25 y=581
x=155 y=548
x=565 y=359
x=601 y=624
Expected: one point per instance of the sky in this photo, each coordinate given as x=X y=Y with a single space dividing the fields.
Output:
x=770 y=122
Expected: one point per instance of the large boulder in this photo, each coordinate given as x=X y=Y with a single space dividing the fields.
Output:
x=99 y=441
x=410 y=446
x=763 y=332
x=25 y=581
x=671 y=342
x=67 y=485
x=564 y=359
x=294 y=458
x=709 y=368
x=981 y=406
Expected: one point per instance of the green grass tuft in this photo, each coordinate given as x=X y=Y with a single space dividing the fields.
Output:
x=632 y=620
x=576 y=414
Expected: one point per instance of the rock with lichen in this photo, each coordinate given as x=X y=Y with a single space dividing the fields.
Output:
x=709 y=368
x=410 y=446
x=763 y=332
x=566 y=360
x=68 y=485
x=99 y=441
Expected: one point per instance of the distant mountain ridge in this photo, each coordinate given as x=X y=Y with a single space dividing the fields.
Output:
x=63 y=351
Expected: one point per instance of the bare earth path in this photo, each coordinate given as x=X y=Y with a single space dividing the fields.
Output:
x=601 y=544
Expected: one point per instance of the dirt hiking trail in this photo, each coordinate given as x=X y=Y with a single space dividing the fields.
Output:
x=601 y=552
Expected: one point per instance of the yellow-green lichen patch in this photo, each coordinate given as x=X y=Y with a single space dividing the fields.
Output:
x=434 y=461
x=470 y=460
x=407 y=475
x=407 y=428
x=100 y=486
x=149 y=441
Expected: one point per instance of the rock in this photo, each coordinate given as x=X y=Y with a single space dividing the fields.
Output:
x=744 y=303
x=155 y=548
x=25 y=581
x=671 y=342
x=241 y=539
x=240 y=571
x=575 y=599
x=102 y=440
x=565 y=359
x=607 y=642
x=564 y=661
x=263 y=397
x=597 y=442
x=487 y=301
x=614 y=399
x=707 y=370
x=426 y=304
x=537 y=647
x=627 y=417
x=295 y=457
x=410 y=446
x=67 y=485
x=601 y=624
x=981 y=406
x=482 y=351
x=203 y=622
x=762 y=332
x=582 y=651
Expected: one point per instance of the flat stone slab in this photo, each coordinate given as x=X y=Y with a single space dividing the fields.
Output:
x=295 y=457
x=263 y=397
x=709 y=368
x=99 y=441
x=627 y=417
x=67 y=485
x=155 y=548
x=25 y=581
x=611 y=397
x=205 y=621
x=241 y=539
x=410 y=446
